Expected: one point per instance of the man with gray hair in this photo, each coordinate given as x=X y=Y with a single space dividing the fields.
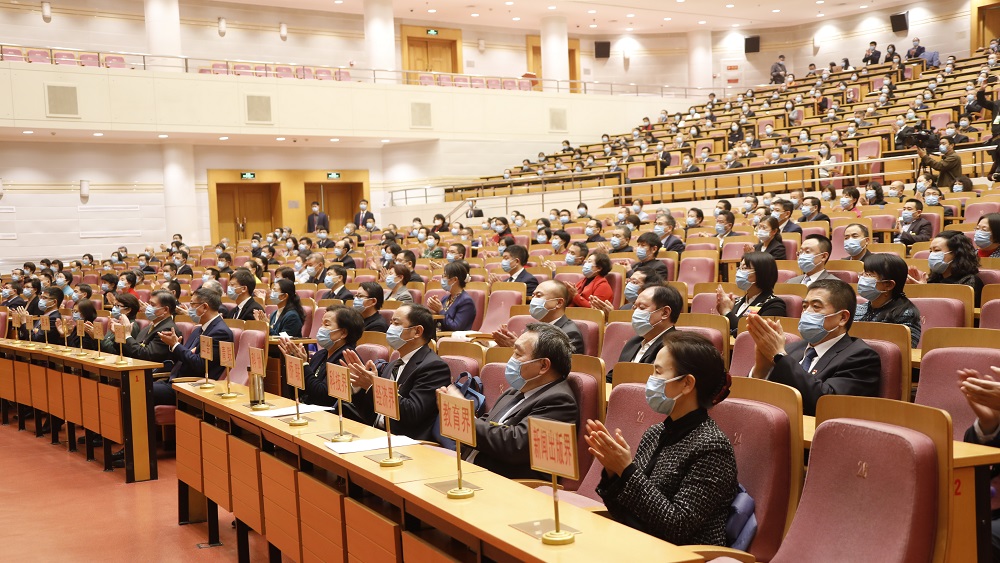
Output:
x=537 y=373
x=203 y=310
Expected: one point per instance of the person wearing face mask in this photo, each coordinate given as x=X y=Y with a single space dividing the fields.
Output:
x=687 y=167
x=342 y=328
x=290 y=316
x=396 y=279
x=856 y=241
x=637 y=210
x=48 y=303
x=472 y=212
x=775 y=157
x=145 y=344
x=656 y=309
x=11 y=297
x=786 y=146
x=911 y=226
x=596 y=267
x=368 y=300
x=778 y=71
x=317 y=219
x=827 y=361
x=812 y=210
x=613 y=165
x=514 y=258
x=756 y=275
x=882 y=285
x=593 y=231
x=695 y=219
x=849 y=199
x=948 y=166
x=782 y=210
x=334 y=280
x=952 y=260
x=548 y=305
x=409 y=259
x=646 y=250
x=126 y=283
x=204 y=311
x=458 y=308
x=241 y=287
x=501 y=229
x=965 y=125
x=83 y=311
x=813 y=255
x=342 y=253
x=537 y=374
x=953 y=134
x=224 y=263
x=872 y=55
x=418 y=371
x=735 y=135
x=440 y=225
x=323 y=239
x=732 y=160
x=987 y=236
x=180 y=258
x=915 y=51
x=432 y=247
x=640 y=484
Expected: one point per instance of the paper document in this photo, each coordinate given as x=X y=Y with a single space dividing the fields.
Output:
x=290 y=411
x=369 y=445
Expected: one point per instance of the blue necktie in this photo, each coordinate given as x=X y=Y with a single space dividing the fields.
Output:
x=808 y=358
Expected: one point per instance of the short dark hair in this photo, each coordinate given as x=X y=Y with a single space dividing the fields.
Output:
x=603 y=262
x=917 y=203
x=667 y=296
x=129 y=277
x=518 y=253
x=825 y=245
x=244 y=278
x=131 y=302
x=418 y=315
x=726 y=205
x=183 y=253
x=697 y=212
x=209 y=297
x=888 y=267
x=842 y=295
x=785 y=204
x=993 y=220
x=349 y=320
x=457 y=270
x=695 y=355
x=166 y=299
x=55 y=294
x=284 y=272
x=374 y=291
x=553 y=344
x=728 y=216
x=650 y=240
x=864 y=229
x=765 y=270
x=563 y=235
x=409 y=256
x=340 y=270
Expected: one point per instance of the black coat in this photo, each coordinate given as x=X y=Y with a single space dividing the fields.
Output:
x=850 y=367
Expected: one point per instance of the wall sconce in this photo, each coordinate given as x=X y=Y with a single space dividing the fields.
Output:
x=626 y=54
x=46 y=12
x=482 y=45
x=283 y=31
x=222 y=27
x=84 y=189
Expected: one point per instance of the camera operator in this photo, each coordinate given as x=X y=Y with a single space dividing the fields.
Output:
x=949 y=166
x=994 y=110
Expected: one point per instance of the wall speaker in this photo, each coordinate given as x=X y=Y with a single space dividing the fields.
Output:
x=900 y=21
x=84 y=188
x=751 y=44
x=602 y=49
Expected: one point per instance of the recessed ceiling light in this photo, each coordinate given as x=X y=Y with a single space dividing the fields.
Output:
x=516 y=19
x=163 y=135
x=863 y=6
x=820 y=1
x=667 y=19
x=736 y=25
x=629 y=15
x=591 y=11
x=552 y=7
x=775 y=11
x=593 y=25
x=819 y=15
x=628 y=29
x=338 y=1
x=280 y=139
x=98 y=134
x=509 y=3
x=475 y=15
x=432 y=11
x=730 y=5
x=702 y=22
x=28 y=132
x=223 y=138
x=334 y=140
x=387 y=140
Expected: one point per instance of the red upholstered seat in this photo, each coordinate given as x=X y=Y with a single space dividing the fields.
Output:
x=586 y=390
x=939 y=312
x=615 y=336
x=591 y=337
x=164 y=415
x=517 y=324
x=696 y=269
x=897 y=496
x=479 y=298
x=186 y=328
x=572 y=278
x=710 y=334
x=494 y=382
x=793 y=305
x=372 y=352
x=938 y=386
x=763 y=462
x=317 y=322
x=250 y=339
x=458 y=364
x=498 y=309
x=704 y=303
x=989 y=316
x=890 y=385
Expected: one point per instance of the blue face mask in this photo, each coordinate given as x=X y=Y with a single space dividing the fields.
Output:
x=116 y=312
x=743 y=279
x=720 y=229
x=446 y=285
x=502 y=248
x=853 y=247
x=512 y=373
x=77 y=316
x=275 y=296
x=43 y=303
x=641 y=253
x=983 y=239
x=542 y=238
x=807 y=210
x=570 y=260
x=957 y=188
x=359 y=303
x=867 y=289
x=907 y=217
x=150 y=312
x=204 y=278
x=7 y=293
x=616 y=243
x=589 y=231
x=556 y=243
x=564 y=219
x=122 y=284
x=656 y=397
x=61 y=282
x=811 y=326
x=826 y=196
x=935 y=261
x=845 y=201
x=323 y=338
x=631 y=292
x=193 y=313
x=505 y=265
x=537 y=308
x=422 y=237
x=931 y=200
x=394 y=337
x=231 y=293
x=640 y=321
x=807 y=262
x=588 y=269
x=390 y=281
x=691 y=221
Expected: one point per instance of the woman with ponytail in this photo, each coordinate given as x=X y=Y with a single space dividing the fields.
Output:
x=290 y=316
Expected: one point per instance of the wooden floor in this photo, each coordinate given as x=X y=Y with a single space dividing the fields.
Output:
x=55 y=506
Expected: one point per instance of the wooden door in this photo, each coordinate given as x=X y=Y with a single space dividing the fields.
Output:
x=338 y=200
x=536 y=64
x=228 y=210
x=244 y=209
x=991 y=21
x=440 y=55
x=418 y=55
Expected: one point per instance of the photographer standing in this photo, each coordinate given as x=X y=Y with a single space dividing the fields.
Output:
x=949 y=166
x=985 y=103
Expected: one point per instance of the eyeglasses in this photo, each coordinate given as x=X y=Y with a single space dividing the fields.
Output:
x=745 y=268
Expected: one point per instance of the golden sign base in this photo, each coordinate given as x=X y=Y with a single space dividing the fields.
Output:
x=207 y=386
x=558 y=538
x=299 y=421
x=391 y=462
x=260 y=407
x=461 y=493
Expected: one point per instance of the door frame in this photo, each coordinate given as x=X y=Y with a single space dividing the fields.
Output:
x=978 y=35
x=290 y=208
x=454 y=36
x=532 y=41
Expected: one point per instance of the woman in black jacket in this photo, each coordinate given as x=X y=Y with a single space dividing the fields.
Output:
x=342 y=327
x=769 y=235
x=757 y=274
x=290 y=316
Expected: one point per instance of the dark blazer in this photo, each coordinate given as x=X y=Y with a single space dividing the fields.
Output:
x=503 y=448
x=109 y=346
x=32 y=306
x=474 y=212
x=287 y=321
x=850 y=367
x=36 y=334
x=247 y=313
x=673 y=243
x=189 y=363
x=816 y=217
x=14 y=302
x=318 y=278
x=376 y=323
x=314 y=376
x=344 y=294
x=920 y=231
x=733 y=164
x=775 y=248
x=632 y=346
x=325 y=243
x=655 y=265
x=872 y=58
x=316 y=221
x=770 y=306
x=458 y=314
x=147 y=345
x=690 y=169
x=185 y=270
x=360 y=218
x=572 y=331
x=527 y=279
x=791 y=227
x=347 y=262
x=418 y=381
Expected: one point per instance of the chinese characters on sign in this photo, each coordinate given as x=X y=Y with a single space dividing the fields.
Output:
x=227 y=358
x=386 y=397
x=257 y=362
x=338 y=382
x=293 y=371
x=553 y=447
x=457 y=419
x=205 y=347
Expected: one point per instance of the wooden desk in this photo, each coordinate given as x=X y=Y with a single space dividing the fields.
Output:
x=309 y=502
x=970 y=522
x=106 y=399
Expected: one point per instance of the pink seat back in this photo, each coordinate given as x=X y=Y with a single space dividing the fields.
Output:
x=458 y=364
x=509 y=84
x=114 y=61
x=617 y=282
x=493 y=83
x=785 y=275
x=898 y=496
x=317 y=322
x=710 y=334
x=343 y=75
x=938 y=384
x=939 y=312
x=371 y=352
x=989 y=277
x=38 y=56
x=732 y=251
x=498 y=310
x=308 y=321
x=591 y=333
x=519 y=323
x=975 y=211
x=479 y=299
x=461 y=81
x=585 y=389
x=616 y=334
x=494 y=382
x=184 y=327
x=220 y=68
x=425 y=79
x=242 y=69
x=439 y=293
x=3 y=324
x=64 y=58
x=572 y=278
x=282 y=71
x=791 y=247
x=249 y=339
x=696 y=269
x=704 y=303
x=763 y=463
x=890 y=384
x=710 y=246
x=12 y=54
x=477 y=82
x=989 y=316
x=846 y=276
x=323 y=74
x=793 y=305
x=444 y=80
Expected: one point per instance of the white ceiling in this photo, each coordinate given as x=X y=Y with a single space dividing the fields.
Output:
x=638 y=16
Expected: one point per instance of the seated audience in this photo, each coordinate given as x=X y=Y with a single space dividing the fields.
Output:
x=882 y=285
x=342 y=327
x=656 y=310
x=548 y=305
x=813 y=256
x=594 y=283
x=756 y=276
x=458 y=308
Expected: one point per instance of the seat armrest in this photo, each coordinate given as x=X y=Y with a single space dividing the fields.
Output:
x=710 y=552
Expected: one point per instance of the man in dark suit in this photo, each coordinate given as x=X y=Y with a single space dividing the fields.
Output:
x=646 y=248
x=543 y=358
x=951 y=131
x=362 y=217
x=980 y=392
x=827 y=361
x=814 y=254
x=786 y=147
x=872 y=55
x=49 y=300
x=342 y=327
x=781 y=209
x=811 y=210
x=663 y=158
x=12 y=295
x=323 y=239
x=317 y=219
x=419 y=371
x=664 y=229
x=316 y=268
x=147 y=345
x=661 y=306
x=548 y=305
x=336 y=277
x=368 y=300
x=180 y=260
x=241 y=287
x=473 y=210
x=912 y=226
x=732 y=160
x=341 y=253
x=514 y=259
x=203 y=309
x=687 y=167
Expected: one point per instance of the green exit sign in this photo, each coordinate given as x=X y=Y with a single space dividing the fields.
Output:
x=333 y=175
x=248 y=175
x=432 y=32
